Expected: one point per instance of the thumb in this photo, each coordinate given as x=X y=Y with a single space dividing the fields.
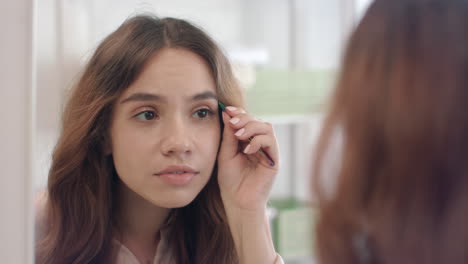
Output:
x=229 y=143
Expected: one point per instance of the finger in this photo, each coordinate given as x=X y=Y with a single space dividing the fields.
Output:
x=232 y=110
x=266 y=143
x=229 y=144
x=240 y=120
x=254 y=128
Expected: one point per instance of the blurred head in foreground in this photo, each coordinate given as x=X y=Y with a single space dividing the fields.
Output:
x=402 y=189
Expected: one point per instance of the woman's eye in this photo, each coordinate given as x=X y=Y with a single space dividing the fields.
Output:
x=146 y=115
x=202 y=113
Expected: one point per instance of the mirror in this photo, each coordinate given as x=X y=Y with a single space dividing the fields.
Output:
x=285 y=54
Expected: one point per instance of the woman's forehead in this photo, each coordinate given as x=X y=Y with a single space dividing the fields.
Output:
x=176 y=71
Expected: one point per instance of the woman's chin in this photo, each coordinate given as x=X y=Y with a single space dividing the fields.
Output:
x=173 y=201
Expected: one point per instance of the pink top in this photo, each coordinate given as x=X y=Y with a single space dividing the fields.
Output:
x=163 y=252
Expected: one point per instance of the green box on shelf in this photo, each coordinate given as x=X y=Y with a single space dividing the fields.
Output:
x=289 y=92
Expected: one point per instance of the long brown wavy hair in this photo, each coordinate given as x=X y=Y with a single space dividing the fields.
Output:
x=79 y=213
x=400 y=107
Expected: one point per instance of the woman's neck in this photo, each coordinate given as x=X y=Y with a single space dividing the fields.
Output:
x=138 y=220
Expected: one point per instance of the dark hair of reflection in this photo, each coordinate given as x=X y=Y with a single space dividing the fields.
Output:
x=400 y=105
x=82 y=180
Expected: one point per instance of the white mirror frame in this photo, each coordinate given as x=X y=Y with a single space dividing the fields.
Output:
x=17 y=118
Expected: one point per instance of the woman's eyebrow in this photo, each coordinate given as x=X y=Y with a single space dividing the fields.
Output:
x=204 y=96
x=143 y=97
x=153 y=97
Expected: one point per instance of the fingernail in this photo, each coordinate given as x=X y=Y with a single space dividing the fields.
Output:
x=240 y=132
x=231 y=108
x=246 y=150
x=234 y=121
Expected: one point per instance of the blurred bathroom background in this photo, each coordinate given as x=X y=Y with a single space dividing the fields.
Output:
x=285 y=53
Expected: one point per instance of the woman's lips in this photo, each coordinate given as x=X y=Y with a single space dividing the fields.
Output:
x=177 y=179
x=177 y=175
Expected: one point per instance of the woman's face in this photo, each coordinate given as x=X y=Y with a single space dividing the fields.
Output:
x=165 y=129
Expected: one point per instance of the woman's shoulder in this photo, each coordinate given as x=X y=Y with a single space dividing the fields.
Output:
x=40 y=219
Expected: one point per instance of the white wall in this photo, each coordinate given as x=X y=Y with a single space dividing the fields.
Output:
x=361 y=7
x=266 y=25
x=299 y=34
x=221 y=18
x=319 y=34
x=297 y=139
x=16 y=116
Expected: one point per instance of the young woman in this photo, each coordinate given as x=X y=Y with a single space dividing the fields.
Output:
x=400 y=105
x=143 y=171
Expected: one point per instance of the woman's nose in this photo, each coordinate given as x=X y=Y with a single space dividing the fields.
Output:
x=177 y=139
